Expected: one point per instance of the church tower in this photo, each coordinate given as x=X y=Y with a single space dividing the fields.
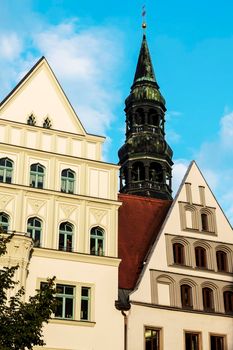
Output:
x=145 y=158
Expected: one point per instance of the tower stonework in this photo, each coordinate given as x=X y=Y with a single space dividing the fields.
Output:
x=145 y=158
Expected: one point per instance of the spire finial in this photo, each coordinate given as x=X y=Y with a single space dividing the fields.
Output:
x=144 y=18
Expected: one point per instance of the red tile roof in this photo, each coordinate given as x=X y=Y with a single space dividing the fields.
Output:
x=140 y=220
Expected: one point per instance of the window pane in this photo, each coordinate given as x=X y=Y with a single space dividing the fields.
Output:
x=191 y=341
x=68 y=308
x=152 y=339
x=58 y=311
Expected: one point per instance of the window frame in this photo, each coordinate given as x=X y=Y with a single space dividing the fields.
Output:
x=222 y=263
x=159 y=341
x=76 y=320
x=37 y=176
x=186 y=289
x=65 y=297
x=178 y=253
x=228 y=302
x=98 y=250
x=3 y=225
x=208 y=299
x=68 y=181
x=201 y=260
x=35 y=228
x=5 y=169
x=199 y=339
x=222 y=336
x=66 y=233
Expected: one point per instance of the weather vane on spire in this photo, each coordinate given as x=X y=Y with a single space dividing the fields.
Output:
x=144 y=17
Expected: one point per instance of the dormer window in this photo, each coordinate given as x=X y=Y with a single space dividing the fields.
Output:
x=47 y=123
x=31 y=120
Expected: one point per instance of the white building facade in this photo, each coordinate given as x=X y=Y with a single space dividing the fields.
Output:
x=60 y=199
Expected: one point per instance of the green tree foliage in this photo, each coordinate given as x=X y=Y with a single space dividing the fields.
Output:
x=21 y=322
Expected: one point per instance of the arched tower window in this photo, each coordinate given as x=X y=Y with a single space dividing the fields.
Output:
x=221 y=257
x=6 y=170
x=34 y=230
x=178 y=253
x=156 y=172
x=200 y=255
x=66 y=236
x=138 y=171
x=67 y=181
x=153 y=118
x=139 y=116
x=97 y=241
x=228 y=301
x=208 y=299
x=4 y=222
x=186 y=296
x=37 y=172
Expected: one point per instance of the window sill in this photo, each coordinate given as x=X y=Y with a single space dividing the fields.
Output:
x=72 y=322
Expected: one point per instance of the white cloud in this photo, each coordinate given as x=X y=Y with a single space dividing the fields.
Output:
x=179 y=169
x=86 y=63
x=226 y=132
x=11 y=46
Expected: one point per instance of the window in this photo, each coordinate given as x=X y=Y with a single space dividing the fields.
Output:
x=221 y=261
x=37 y=175
x=67 y=181
x=186 y=296
x=204 y=222
x=4 y=222
x=65 y=298
x=178 y=253
x=66 y=236
x=85 y=303
x=208 y=300
x=152 y=339
x=192 y=341
x=34 y=229
x=200 y=254
x=228 y=301
x=6 y=170
x=217 y=342
x=97 y=241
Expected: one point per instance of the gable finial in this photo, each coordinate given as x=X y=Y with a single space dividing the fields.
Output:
x=144 y=18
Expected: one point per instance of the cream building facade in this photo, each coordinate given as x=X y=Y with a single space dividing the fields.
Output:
x=60 y=199
x=183 y=298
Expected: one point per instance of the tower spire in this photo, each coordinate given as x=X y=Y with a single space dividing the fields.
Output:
x=145 y=158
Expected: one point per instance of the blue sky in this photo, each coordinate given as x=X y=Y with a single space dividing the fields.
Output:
x=92 y=46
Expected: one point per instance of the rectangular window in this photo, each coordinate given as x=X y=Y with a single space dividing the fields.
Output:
x=192 y=341
x=217 y=342
x=65 y=299
x=85 y=303
x=152 y=339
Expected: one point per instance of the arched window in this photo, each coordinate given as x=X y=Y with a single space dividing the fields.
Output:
x=67 y=180
x=34 y=230
x=156 y=172
x=208 y=299
x=200 y=254
x=6 y=170
x=97 y=241
x=221 y=261
x=204 y=222
x=153 y=118
x=4 y=222
x=178 y=253
x=138 y=171
x=37 y=172
x=139 y=117
x=66 y=236
x=228 y=301
x=186 y=296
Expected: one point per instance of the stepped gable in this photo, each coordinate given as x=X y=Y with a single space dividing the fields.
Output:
x=140 y=220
